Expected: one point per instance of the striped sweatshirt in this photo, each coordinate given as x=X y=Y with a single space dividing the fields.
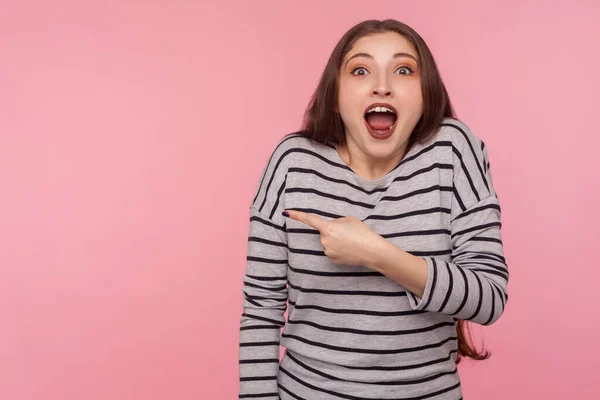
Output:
x=351 y=332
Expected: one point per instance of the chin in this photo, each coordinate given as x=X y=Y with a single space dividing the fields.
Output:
x=385 y=148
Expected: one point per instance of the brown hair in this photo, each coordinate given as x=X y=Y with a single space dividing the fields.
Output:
x=323 y=124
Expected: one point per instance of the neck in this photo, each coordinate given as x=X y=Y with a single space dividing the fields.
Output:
x=369 y=167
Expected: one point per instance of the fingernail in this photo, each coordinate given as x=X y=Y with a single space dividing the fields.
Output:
x=285 y=214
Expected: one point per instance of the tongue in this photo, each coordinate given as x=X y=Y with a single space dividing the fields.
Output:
x=380 y=121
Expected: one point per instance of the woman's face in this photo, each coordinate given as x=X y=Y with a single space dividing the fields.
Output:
x=380 y=68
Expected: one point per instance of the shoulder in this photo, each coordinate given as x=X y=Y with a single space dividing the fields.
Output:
x=466 y=145
x=472 y=176
x=459 y=134
x=292 y=143
x=274 y=173
x=295 y=149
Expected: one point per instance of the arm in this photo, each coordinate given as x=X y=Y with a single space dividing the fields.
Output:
x=265 y=297
x=473 y=286
x=409 y=271
x=265 y=284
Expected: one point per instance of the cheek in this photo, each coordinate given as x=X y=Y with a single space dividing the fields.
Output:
x=349 y=103
x=410 y=96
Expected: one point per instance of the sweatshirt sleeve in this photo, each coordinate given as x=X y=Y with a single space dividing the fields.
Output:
x=473 y=286
x=264 y=287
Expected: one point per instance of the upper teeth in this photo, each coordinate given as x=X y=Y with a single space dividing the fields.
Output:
x=379 y=109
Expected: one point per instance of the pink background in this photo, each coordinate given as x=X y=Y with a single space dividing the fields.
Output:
x=132 y=137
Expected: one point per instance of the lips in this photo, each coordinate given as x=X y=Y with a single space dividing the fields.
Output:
x=387 y=105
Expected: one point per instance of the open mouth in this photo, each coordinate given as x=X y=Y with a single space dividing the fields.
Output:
x=380 y=120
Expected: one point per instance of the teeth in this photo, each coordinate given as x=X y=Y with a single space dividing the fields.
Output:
x=379 y=109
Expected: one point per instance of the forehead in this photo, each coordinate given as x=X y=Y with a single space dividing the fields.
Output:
x=382 y=45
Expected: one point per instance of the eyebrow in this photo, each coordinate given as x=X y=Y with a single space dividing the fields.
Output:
x=367 y=55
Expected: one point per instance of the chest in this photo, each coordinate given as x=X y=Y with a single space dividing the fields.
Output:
x=412 y=210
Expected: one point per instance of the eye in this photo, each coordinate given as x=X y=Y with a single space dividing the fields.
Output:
x=358 y=69
x=405 y=71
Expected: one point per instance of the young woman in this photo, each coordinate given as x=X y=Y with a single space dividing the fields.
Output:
x=378 y=228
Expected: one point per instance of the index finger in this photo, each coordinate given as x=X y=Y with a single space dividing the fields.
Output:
x=309 y=219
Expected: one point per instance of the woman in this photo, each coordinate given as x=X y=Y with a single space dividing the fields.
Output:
x=378 y=224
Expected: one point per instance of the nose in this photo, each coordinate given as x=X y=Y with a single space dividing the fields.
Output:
x=382 y=87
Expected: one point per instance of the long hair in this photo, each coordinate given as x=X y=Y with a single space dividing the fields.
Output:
x=323 y=124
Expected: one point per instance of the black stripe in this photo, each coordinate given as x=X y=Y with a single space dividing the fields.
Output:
x=308 y=252
x=347 y=396
x=328 y=273
x=494 y=206
x=268 y=223
x=493 y=272
x=477 y=228
x=267 y=278
x=288 y=392
x=329 y=196
x=441 y=143
x=260 y=361
x=278 y=197
x=416 y=233
x=252 y=302
x=480 y=300
x=347 y=292
x=257 y=378
x=458 y=199
x=356 y=312
x=417 y=192
x=466 y=294
x=409 y=214
x=385 y=383
x=369 y=351
x=385 y=235
x=266 y=260
x=466 y=172
x=450 y=283
x=367 y=332
x=257 y=395
x=493 y=311
x=486 y=239
x=265 y=298
x=272 y=289
x=422 y=171
x=478 y=162
x=430 y=253
x=500 y=293
x=433 y=282
x=253 y=327
x=302 y=230
x=266 y=241
x=258 y=344
x=278 y=323
x=321 y=157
